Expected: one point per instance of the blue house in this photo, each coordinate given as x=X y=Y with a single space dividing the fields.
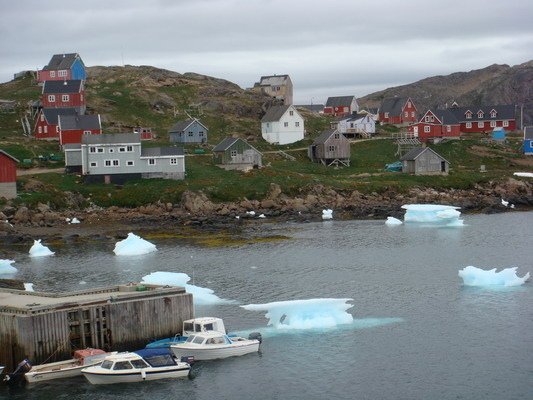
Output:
x=528 y=140
x=63 y=67
x=188 y=131
x=499 y=134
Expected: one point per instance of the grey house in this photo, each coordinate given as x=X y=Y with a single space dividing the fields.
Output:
x=188 y=131
x=424 y=161
x=236 y=154
x=119 y=157
x=331 y=147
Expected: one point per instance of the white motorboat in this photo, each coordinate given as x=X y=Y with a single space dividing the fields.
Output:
x=213 y=345
x=191 y=327
x=138 y=366
x=66 y=369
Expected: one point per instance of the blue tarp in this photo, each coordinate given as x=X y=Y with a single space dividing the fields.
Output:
x=160 y=351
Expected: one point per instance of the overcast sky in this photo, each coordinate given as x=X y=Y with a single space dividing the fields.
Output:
x=329 y=47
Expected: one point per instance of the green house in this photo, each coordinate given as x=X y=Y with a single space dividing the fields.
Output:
x=236 y=153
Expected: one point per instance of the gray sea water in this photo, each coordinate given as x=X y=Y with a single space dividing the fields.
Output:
x=418 y=332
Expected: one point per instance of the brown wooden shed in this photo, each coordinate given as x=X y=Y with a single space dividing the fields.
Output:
x=330 y=148
x=424 y=161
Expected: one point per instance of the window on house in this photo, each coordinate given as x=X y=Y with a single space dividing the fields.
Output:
x=469 y=125
x=93 y=164
x=57 y=128
x=92 y=149
x=480 y=114
x=406 y=114
x=337 y=136
x=173 y=161
x=427 y=118
x=52 y=74
x=505 y=123
x=412 y=114
x=42 y=117
x=100 y=149
x=285 y=124
x=121 y=149
x=201 y=133
x=297 y=123
x=386 y=115
x=111 y=150
x=65 y=98
x=191 y=133
x=291 y=113
x=129 y=163
x=480 y=124
x=51 y=98
x=107 y=163
x=493 y=124
x=87 y=132
x=81 y=97
x=268 y=124
x=129 y=149
x=427 y=128
x=331 y=148
x=40 y=129
x=233 y=153
x=116 y=163
x=45 y=129
x=448 y=128
x=151 y=161
x=408 y=104
x=468 y=115
x=493 y=114
x=62 y=73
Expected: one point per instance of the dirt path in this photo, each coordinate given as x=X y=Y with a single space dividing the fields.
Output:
x=33 y=171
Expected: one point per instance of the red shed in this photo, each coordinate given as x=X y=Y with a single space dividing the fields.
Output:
x=436 y=124
x=46 y=124
x=64 y=94
x=398 y=111
x=73 y=127
x=8 y=175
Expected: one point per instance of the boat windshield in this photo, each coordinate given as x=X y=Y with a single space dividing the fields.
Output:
x=198 y=340
x=190 y=338
x=188 y=326
x=107 y=364
x=162 y=360
x=209 y=327
x=123 y=365
x=216 y=340
x=139 y=363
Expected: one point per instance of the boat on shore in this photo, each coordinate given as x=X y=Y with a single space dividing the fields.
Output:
x=191 y=327
x=138 y=366
x=68 y=368
x=213 y=345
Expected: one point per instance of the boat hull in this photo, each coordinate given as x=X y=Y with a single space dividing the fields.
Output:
x=214 y=353
x=37 y=376
x=99 y=378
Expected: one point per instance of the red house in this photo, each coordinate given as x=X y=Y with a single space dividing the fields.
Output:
x=73 y=127
x=46 y=124
x=484 y=119
x=64 y=94
x=341 y=106
x=63 y=67
x=436 y=124
x=398 y=111
x=8 y=175
x=146 y=133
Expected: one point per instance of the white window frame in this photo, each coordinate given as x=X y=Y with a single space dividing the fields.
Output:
x=412 y=114
x=468 y=115
x=297 y=124
x=233 y=153
x=448 y=128
x=493 y=114
x=173 y=161
x=190 y=133
x=129 y=149
x=386 y=115
x=93 y=164
x=493 y=124
x=130 y=163
x=427 y=129
x=427 y=118
x=480 y=124
x=505 y=123
x=480 y=114
x=65 y=98
x=92 y=149
x=116 y=163
x=51 y=98
x=408 y=104
x=99 y=149
x=291 y=113
x=121 y=149
x=87 y=132
x=111 y=150
x=469 y=125
x=40 y=129
x=151 y=161
x=62 y=73
x=45 y=128
x=52 y=74
x=285 y=124
x=42 y=117
x=107 y=163
x=406 y=114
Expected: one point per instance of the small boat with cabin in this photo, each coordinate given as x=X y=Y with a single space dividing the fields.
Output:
x=213 y=345
x=137 y=366
x=66 y=369
x=191 y=327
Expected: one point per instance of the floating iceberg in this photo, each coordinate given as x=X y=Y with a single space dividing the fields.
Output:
x=473 y=276
x=6 y=268
x=28 y=287
x=250 y=213
x=201 y=295
x=75 y=221
x=38 y=250
x=393 y=221
x=327 y=214
x=434 y=214
x=262 y=216
x=133 y=245
x=524 y=174
x=305 y=314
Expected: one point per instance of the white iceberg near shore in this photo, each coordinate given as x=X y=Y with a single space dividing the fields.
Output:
x=434 y=214
x=28 y=287
x=327 y=214
x=6 y=268
x=393 y=221
x=38 y=250
x=305 y=314
x=133 y=245
x=75 y=221
x=201 y=295
x=507 y=277
x=524 y=174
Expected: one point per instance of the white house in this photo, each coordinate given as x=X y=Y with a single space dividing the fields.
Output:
x=282 y=125
x=362 y=125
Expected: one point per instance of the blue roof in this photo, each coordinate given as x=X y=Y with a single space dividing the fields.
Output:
x=160 y=351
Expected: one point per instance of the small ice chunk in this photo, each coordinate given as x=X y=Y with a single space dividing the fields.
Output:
x=327 y=214
x=261 y=216
x=237 y=217
x=82 y=283
x=201 y=295
x=133 y=245
x=473 y=276
x=434 y=214
x=524 y=174
x=505 y=203
x=67 y=219
x=511 y=206
x=28 y=287
x=393 y=221
x=250 y=213
x=75 y=221
x=38 y=250
x=6 y=268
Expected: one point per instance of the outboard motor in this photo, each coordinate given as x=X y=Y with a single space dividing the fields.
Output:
x=255 y=336
x=16 y=378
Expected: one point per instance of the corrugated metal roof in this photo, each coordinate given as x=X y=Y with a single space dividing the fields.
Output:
x=51 y=114
x=73 y=122
x=61 y=61
x=67 y=86
x=274 y=113
x=340 y=101
x=161 y=151
x=110 y=138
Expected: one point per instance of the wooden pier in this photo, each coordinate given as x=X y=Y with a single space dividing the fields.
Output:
x=50 y=326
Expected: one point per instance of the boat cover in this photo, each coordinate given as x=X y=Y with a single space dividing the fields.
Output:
x=158 y=357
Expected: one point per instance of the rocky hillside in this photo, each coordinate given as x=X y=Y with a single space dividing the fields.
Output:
x=496 y=84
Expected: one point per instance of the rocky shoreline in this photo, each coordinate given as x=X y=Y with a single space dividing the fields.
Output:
x=18 y=224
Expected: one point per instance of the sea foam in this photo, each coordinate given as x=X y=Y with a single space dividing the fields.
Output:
x=473 y=276
x=133 y=245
